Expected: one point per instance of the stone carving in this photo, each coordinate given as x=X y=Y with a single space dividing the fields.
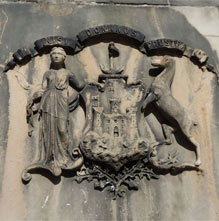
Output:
x=44 y=43
x=55 y=153
x=107 y=140
x=77 y=44
x=123 y=31
x=200 y=55
x=108 y=152
x=165 y=44
x=109 y=113
x=160 y=93
x=113 y=150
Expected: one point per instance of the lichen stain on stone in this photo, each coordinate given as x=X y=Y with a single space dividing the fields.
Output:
x=193 y=84
x=12 y=188
x=207 y=114
x=204 y=113
x=156 y=18
x=41 y=64
x=1 y=70
x=56 y=9
x=3 y=23
x=87 y=59
x=133 y=64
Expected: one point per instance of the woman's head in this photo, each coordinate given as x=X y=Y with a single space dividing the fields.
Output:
x=57 y=55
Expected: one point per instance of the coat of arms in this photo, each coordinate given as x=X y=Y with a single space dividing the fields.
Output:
x=115 y=148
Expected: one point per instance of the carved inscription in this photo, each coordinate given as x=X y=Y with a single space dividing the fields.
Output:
x=79 y=42
x=55 y=41
x=165 y=43
x=110 y=29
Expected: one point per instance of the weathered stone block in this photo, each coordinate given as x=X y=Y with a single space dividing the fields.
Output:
x=119 y=53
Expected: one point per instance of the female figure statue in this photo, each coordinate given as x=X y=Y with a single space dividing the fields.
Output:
x=54 y=147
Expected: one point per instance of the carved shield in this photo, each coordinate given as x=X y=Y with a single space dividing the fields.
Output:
x=109 y=112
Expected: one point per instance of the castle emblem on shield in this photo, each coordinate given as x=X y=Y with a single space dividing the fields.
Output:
x=113 y=110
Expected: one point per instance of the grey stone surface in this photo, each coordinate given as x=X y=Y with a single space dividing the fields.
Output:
x=133 y=2
x=188 y=196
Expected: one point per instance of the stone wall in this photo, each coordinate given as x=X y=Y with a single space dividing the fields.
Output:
x=190 y=195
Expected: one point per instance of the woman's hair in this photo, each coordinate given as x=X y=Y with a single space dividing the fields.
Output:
x=62 y=51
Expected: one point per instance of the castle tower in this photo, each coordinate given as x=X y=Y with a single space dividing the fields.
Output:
x=115 y=105
x=97 y=119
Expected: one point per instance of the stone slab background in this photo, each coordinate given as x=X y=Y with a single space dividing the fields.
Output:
x=136 y=2
x=188 y=196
